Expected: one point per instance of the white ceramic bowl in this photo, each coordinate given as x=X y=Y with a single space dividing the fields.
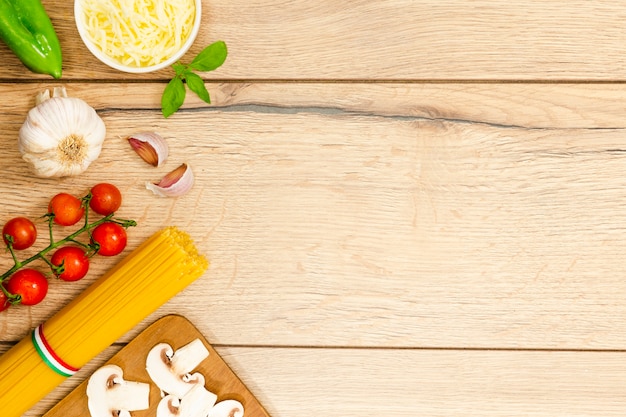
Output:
x=113 y=63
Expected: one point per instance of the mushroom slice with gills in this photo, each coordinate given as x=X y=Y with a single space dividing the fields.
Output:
x=227 y=408
x=171 y=371
x=168 y=406
x=197 y=402
x=109 y=395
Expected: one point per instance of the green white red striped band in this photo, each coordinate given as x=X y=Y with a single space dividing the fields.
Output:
x=49 y=356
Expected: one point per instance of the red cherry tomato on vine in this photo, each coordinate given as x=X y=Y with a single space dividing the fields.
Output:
x=22 y=231
x=4 y=301
x=111 y=237
x=67 y=209
x=30 y=284
x=105 y=198
x=74 y=260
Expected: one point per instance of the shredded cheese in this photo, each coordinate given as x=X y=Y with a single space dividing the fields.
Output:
x=138 y=33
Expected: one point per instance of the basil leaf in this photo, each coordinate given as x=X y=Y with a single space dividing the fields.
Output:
x=173 y=96
x=179 y=69
x=211 y=57
x=196 y=84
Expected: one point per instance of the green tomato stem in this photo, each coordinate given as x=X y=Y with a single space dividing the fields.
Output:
x=12 y=251
x=50 y=217
x=87 y=227
x=12 y=298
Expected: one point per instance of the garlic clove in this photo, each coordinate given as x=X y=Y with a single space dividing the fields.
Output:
x=45 y=94
x=150 y=146
x=174 y=184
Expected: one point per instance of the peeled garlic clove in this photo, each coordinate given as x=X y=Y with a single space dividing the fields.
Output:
x=174 y=184
x=150 y=146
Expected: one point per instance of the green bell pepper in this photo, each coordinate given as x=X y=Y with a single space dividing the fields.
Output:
x=26 y=28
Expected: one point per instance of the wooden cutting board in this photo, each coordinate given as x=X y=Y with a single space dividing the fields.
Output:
x=177 y=331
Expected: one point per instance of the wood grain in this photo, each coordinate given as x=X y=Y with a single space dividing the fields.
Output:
x=347 y=225
x=388 y=39
x=411 y=208
x=440 y=383
x=523 y=105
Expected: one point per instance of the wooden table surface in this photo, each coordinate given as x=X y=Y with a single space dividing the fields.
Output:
x=410 y=207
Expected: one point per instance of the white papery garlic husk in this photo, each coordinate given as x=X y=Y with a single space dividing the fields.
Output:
x=61 y=135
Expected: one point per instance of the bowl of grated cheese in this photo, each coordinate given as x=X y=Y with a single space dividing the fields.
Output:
x=138 y=36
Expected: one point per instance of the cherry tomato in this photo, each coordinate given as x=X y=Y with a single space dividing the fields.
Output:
x=30 y=284
x=67 y=209
x=105 y=198
x=111 y=237
x=4 y=301
x=74 y=260
x=22 y=231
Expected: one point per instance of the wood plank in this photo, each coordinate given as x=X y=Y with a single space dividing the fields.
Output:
x=342 y=228
x=438 y=383
x=523 y=105
x=388 y=39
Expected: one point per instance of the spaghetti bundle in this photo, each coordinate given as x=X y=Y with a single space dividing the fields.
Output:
x=148 y=277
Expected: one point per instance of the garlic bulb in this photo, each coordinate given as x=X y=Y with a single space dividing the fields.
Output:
x=61 y=135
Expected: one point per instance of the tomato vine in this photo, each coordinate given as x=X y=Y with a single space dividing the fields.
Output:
x=91 y=248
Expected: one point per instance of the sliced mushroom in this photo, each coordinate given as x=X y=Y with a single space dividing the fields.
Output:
x=227 y=408
x=168 y=407
x=171 y=370
x=198 y=402
x=109 y=395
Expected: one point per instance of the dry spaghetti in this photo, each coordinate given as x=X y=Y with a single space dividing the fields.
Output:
x=148 y=277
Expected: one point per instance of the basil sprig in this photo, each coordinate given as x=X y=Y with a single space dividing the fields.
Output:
x=210 y=58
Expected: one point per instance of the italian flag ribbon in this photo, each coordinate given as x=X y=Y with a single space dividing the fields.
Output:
x=49 y=356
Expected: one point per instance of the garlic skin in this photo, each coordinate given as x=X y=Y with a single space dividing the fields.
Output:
x=176 y=183
x=150 y=146
x=61 y=135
